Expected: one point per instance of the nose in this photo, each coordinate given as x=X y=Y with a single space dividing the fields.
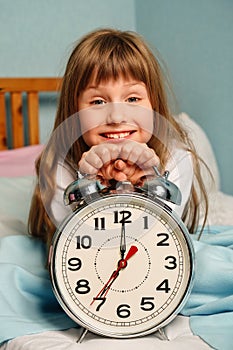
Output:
x=116 y=113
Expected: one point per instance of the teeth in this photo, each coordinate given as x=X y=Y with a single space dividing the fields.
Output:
x=120 y=135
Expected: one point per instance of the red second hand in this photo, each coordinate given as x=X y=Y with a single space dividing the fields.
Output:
x=121 y=265
x=133 y=249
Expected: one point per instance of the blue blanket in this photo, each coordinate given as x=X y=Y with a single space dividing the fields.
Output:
x=27 y=303
x=210 y=305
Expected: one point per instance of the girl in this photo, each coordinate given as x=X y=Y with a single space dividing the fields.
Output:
x=123 y=128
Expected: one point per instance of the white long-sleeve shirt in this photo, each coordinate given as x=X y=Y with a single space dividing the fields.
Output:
x=180 y=169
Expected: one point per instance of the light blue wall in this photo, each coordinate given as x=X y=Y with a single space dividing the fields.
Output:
x=195 y=38
x=37 y=36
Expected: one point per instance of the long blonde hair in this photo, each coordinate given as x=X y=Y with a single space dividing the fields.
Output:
x=107 y=54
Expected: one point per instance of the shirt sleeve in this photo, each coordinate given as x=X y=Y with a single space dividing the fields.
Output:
x=180 y=167
x=64 y=177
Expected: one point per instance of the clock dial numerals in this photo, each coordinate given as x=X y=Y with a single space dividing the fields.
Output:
x=123 y=311
x=145 y=222
x=115 y=293
x=74 y=264
x=119 y=217
x=102 y=301
x=147 y=304
x=122 y=217
x=83 y=242
x=82 y=287
x=99 y=223
x=164 y=286
x=172 y=262
x=164 y=239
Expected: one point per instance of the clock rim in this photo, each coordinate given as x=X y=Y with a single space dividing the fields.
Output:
x=113 y=334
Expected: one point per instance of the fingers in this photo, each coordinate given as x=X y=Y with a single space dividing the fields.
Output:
x=119 y=164
x=139 y=153
x=132 y=172
x=96 y=157
x=109 y=171
x=136 y=161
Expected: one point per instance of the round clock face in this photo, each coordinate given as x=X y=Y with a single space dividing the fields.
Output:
x=122 y=266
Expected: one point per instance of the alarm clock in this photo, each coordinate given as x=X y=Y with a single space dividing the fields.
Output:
x=122 y=264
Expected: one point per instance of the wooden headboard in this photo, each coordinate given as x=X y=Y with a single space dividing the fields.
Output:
x=13 y=89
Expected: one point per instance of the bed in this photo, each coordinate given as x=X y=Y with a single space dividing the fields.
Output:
x=206 y=321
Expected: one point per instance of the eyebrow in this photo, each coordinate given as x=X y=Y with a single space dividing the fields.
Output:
x=95 y=87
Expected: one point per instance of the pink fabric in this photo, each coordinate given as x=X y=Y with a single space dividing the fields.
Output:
x=20 y=161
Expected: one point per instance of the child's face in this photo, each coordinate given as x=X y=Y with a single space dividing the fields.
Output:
x=113 y=111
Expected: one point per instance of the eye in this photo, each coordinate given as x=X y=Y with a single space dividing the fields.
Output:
x=98 y=102
x=132 y=99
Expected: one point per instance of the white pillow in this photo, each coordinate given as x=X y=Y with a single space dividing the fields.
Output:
x=15 y=198
x=204 y=150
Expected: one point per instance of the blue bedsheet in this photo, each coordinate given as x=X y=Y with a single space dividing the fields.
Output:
x=211 y=302
x=27 y=303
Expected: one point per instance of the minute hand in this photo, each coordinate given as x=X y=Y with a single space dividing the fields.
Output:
x=123 y=241
x=121 y=265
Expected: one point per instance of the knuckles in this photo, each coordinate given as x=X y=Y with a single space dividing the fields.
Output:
x=103 y=159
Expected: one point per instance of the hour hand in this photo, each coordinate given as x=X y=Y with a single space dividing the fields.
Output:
x=123 y=241
x=121 y=265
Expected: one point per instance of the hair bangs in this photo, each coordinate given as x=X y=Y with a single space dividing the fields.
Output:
x=120 y=61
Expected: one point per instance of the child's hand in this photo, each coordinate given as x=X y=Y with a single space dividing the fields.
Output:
x=126 y=160
x=121 y=170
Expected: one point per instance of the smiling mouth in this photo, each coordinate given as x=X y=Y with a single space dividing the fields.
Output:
x=117 y=135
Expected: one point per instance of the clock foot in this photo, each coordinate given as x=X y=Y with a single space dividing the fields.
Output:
x=162 y=334
x=82 y=335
